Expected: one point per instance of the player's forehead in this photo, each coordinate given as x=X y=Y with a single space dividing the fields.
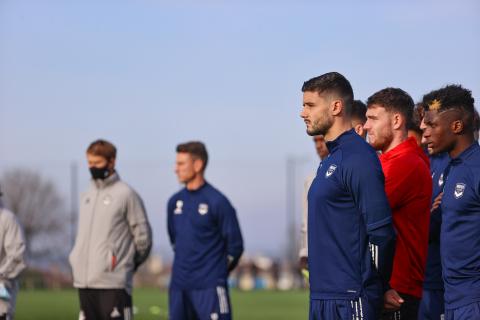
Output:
x=430 y=116
x=376 y=110
x=314 y=96
x=184 y=156
x=434 y=116
x=95 y=158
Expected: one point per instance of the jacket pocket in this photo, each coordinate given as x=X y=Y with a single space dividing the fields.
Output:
x=112 y=259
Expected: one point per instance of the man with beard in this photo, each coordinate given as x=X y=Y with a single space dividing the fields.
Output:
x=449 y=127
x=348 y=212
x=409 y=189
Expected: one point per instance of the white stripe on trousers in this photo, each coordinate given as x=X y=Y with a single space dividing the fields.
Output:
x=126 y=314
x=357 y=309
x=374 y=253
x=222 y=300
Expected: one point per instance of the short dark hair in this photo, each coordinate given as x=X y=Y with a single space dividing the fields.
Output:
x=415 y=121
x=452 y=97
x=359 y=111
x=332 y=83
x=196 y=149
x=393 y=99
x=102 y=148
x=476 y=121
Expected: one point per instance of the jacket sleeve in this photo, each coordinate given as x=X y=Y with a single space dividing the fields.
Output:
x=231 y=233
x=365 y=178
x=170 y=227
x=140 y=228
x=14 y=248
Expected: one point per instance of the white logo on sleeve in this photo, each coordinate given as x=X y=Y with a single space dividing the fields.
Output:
x=214 y=316
x=203 y=208
x=459 y=190
x=440 y=180
x=178 y=209
x=330 y=171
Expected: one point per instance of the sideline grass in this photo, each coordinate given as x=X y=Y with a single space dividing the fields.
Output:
x=152 y=304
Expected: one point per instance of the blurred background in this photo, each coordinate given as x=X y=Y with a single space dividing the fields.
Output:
x=148 y=75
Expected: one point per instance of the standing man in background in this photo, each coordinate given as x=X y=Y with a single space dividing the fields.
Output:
x=206 y=239
x=432 y=303
x=449 y=127
x=359 y=110
x=408 y=186
x=322 y=153
x=114 y=238
x=12 y=260
x=348 y=211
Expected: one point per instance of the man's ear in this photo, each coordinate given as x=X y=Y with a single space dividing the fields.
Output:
x=397 y=120
x=197 y=165
x=359 y=129
x=457 y=126
x=111 y=164
x=337 y=107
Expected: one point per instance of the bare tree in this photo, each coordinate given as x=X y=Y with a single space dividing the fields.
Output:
x=41 y=211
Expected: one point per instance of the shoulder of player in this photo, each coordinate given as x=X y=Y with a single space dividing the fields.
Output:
x=471 y=169
x=122 y=189
x=473 y=160
x=177 y=196
x=358 y=154
x=7 y=218
x=409 y=163
x=215 y=197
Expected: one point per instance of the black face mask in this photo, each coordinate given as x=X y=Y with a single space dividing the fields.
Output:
x=100 y=173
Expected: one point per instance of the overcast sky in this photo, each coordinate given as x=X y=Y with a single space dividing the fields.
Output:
x=150 y=74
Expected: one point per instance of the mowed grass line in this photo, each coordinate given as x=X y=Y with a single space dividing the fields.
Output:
x=152 y=304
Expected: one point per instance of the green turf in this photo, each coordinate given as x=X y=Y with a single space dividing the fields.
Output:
x=264 y=305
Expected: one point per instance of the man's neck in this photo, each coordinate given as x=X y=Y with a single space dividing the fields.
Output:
x=339 y=126
x=196 y=183
x=398 y=138
x=461 y=145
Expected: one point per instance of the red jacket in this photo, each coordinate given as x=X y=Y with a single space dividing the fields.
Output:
x=408 y=185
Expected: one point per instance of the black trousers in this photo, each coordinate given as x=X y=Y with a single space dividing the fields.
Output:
x=3 y=317
x=408 y=310
x=105 y=304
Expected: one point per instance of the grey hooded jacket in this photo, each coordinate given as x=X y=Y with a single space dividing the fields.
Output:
x=114 y=236
x=12 y=258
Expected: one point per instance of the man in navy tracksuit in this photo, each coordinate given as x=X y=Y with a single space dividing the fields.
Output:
x=206 y=238
x=449 y=127
x=351 y=237
x=432 y=303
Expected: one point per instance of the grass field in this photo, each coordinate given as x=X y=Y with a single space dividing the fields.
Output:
x=152 y=304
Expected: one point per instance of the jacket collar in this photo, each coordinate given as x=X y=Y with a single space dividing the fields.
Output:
x=102 y=184
x=474 y=147
x=332 y=145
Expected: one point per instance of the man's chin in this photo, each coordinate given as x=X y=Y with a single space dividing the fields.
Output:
x=312 y=132
x=434 y=150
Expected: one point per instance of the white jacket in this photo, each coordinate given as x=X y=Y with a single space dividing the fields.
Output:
x=12 y=258
x=114 y=236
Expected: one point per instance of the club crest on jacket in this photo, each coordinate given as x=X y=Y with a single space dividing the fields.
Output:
x=203 y=208
x=330 y=170
x=459 y=190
